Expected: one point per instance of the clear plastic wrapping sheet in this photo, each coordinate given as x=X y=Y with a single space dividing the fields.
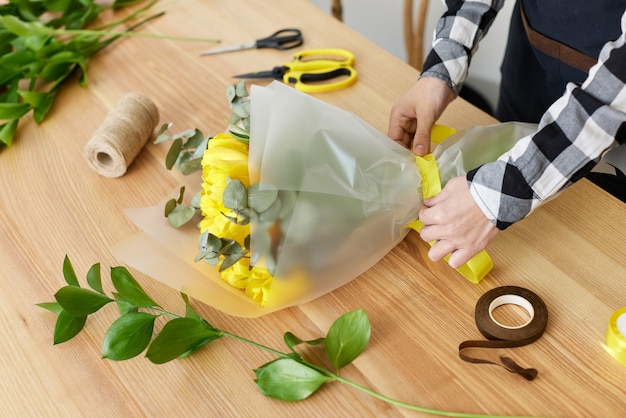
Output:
x=355 y=191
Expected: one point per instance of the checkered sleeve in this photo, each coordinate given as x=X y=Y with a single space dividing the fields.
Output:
x=456 y=38
x=570 y=139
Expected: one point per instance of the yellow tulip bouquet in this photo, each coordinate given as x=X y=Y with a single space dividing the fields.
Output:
x=295 y=201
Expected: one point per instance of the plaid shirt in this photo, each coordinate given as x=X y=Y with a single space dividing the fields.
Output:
x=572 y=135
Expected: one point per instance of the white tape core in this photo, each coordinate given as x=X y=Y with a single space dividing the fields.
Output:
x=621 y=324
x=519 y=301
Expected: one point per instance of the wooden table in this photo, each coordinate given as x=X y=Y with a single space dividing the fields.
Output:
x=570 y=252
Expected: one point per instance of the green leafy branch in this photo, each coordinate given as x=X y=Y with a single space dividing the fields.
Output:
x=44 y=43
x=289 y=377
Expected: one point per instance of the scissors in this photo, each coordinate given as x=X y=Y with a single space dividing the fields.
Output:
x=282 y=39
x=311 y=68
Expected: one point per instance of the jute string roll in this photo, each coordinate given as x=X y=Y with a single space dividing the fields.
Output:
x=124 y=132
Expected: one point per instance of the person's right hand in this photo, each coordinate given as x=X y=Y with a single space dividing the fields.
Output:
x=415 y=113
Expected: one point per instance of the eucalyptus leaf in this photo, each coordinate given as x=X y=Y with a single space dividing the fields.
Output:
x=231 y=93
x=129 y=289
x=261 y=197
x=161 y=136
x=67 y=327
x=241 y=90
x=181 y=195
x=128 y=336
x=195 y=140
x=288 y=380
x=94 y=279
x=173 y=153
x=180 y=215
x=235 y=196
x=230 y=260
x=170 y=205
x=195 y=200
x=80 y=302
x=191 y=166
x=68 y=272
x=178 y=337
x=347 y=338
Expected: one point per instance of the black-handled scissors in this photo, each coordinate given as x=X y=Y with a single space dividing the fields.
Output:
x=282 y=39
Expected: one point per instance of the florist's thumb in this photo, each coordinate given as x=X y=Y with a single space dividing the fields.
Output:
x=421 y=140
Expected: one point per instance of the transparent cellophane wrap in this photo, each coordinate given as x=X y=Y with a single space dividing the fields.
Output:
x=356 y=190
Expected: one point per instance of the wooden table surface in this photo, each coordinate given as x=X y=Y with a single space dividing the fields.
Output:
x=570 y=252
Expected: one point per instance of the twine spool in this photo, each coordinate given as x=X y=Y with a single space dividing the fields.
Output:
x=124 y=132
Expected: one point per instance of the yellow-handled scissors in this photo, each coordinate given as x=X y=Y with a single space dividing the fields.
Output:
x=314 y=70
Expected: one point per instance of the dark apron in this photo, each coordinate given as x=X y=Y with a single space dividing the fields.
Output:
x=532 y=80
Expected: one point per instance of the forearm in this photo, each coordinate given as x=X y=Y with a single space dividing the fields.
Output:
x=456 y=38
x=572 y=136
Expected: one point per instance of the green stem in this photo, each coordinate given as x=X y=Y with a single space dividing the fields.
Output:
x=164 y=312
x=131 y=16
x=370 y=392
x=255 y=344
x=136 y=34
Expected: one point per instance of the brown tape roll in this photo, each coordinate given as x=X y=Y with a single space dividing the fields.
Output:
x=124 y=132
x=502 y=336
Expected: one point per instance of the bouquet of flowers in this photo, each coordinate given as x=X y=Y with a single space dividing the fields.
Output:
x=306 y=200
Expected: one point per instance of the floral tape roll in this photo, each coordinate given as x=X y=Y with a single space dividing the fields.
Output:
x=502 y=336
x=125 y=130
x=616 y=336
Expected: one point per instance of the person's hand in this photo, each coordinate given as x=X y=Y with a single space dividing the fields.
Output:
x=414 y=115
x=456 y=223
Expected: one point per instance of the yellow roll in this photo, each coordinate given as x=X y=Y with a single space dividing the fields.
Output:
x=616 y=336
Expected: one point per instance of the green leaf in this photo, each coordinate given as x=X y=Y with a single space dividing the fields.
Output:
x=235 y=196
x=94 y=279
x=67 y=327
x=79 y=302
x=173 y=153
x=195 y=140
x=160 y=135
x=191 y=166
x=40 y=112
x=170 y=205
x=10 y=111
x=347 y=338
x=241 y=89
x=53 y=307
x=129 y=289
x=261 y=198
x=178 y=337
x=180 y=215
x=68 y=272
x=33 y=98
x=128 y=336
x=288 y=380
x=7 y=132
x=124 y=306
x=189 y=311
x=20 y=28
x=291 y=340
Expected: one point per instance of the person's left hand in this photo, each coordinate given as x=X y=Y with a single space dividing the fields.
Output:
x=456 y=223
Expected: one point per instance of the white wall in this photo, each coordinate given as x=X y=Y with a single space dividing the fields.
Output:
x=381 y=22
